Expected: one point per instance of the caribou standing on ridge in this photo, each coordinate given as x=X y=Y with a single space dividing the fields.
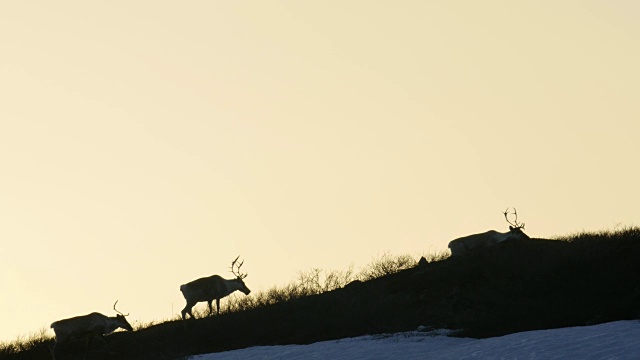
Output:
x=213 y=287
x=89 y=326
x=467 y=244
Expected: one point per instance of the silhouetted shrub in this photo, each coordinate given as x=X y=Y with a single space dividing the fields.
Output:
x=387 y=264
x=23 y=343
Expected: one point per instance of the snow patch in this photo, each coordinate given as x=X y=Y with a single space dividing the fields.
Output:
x=615 y=340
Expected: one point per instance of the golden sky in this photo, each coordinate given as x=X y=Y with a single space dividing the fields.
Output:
x=144 y=144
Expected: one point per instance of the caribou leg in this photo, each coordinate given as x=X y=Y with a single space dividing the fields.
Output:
x=210 y=308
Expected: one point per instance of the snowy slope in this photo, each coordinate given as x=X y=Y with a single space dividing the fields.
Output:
x=615 y=340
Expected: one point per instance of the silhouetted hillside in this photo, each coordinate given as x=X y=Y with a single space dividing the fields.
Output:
x=514 y=286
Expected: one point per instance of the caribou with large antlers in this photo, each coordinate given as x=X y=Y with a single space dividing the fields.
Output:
x=464 y=245
x=89 y=326
x=213 y=287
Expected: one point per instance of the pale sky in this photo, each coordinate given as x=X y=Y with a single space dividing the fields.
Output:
x=145 y=144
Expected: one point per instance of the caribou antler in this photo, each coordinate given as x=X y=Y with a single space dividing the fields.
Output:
x=515 y=223
x=114 y=308
x=238 y=274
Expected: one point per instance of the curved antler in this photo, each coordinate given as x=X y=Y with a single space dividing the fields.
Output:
x=114 y=308
x=238 y=274
x=515 y=223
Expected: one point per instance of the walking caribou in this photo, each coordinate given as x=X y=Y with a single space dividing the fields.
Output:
x=213 y=287
x=464 y=245
x=89 y=326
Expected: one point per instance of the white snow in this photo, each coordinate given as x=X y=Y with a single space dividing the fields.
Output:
x=615 y=340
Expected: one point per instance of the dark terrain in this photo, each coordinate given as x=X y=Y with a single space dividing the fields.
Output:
x=512 y=287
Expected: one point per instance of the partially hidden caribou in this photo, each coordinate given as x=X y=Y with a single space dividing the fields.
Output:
x=89 y=326
x=471 y=243
x=213 y=288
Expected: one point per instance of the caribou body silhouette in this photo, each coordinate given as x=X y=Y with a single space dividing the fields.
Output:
x=89 y=326
x=213 y=288
x=471 y=243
